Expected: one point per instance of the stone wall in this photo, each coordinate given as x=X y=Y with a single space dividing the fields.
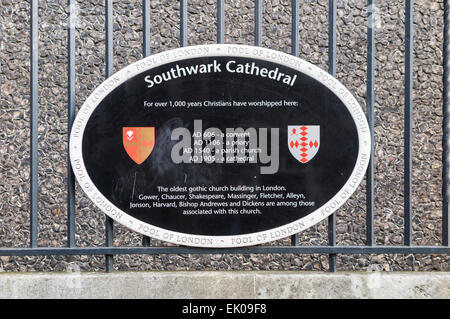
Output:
x=351 y=70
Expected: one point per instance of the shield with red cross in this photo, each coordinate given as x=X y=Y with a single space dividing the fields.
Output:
x=304 y=141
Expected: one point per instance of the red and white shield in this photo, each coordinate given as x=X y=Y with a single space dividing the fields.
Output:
x=304 y=141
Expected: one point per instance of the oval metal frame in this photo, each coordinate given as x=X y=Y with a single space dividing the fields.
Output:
x=79 y=125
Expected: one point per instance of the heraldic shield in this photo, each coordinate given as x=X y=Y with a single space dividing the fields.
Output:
x=304 y=141
x=139 y=142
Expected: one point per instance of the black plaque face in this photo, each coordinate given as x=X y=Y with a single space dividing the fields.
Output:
x=220 y=146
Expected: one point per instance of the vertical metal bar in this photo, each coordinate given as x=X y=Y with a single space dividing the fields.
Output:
x=409 y=34
x=183 y=23
x=109 y=71
x=109 y=38
x=370 y=102
x=146 y=241
x=332 y=37
x=71 y=117
x=332 y=71
x=146 y=51
x=109 y=228
x=446 y=128
x=220 y=21
x=258 y=22
x=295 y=27
x=295 y=51
x=34 y=122
x=146 y=28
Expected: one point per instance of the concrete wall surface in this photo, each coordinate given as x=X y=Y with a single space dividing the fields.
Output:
x=223 y=285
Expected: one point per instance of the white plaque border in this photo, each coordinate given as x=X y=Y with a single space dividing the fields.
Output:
x=230 y=50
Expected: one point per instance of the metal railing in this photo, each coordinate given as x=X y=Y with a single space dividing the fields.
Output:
x=332 y=249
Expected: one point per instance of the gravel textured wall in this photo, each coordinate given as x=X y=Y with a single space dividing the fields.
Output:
x=351 y=70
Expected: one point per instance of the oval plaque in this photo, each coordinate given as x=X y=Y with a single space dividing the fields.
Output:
x=220 y=145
